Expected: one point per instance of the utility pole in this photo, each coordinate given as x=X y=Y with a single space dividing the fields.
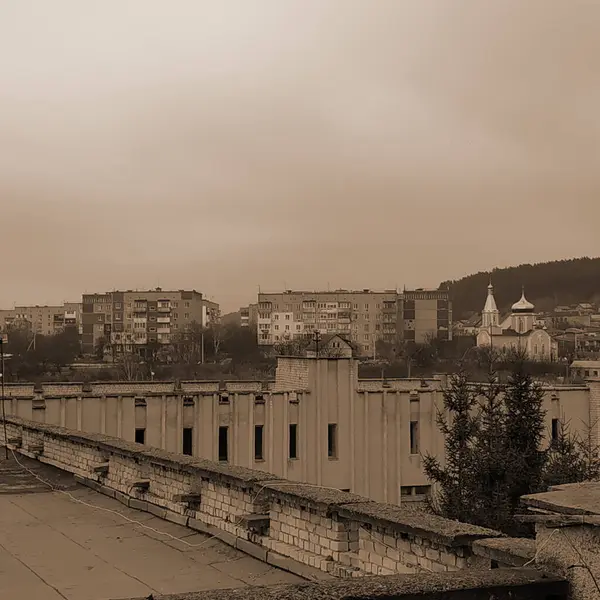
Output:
x=317 y=340
x=2 y=339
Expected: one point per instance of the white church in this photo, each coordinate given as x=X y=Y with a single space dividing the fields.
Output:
x=517 y=330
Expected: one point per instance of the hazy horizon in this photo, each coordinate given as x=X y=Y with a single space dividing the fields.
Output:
x=228 y=145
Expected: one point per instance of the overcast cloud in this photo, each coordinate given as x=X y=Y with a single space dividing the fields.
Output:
x=229 y=144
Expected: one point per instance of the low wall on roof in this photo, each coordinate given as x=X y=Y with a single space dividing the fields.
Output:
x=514 y=584
x=300 y=527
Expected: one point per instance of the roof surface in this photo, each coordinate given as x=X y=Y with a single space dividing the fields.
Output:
x=569 y=499
x=53 y=546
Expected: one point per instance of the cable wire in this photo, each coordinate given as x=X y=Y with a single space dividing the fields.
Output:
x=143 y=525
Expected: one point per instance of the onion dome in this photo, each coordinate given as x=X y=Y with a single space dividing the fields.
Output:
x=523 y=305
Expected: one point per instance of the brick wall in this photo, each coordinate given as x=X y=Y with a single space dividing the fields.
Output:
x=327 y=530
x=292 y=373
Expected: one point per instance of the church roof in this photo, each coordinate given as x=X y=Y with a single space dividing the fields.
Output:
x=490 y=303
x=523 y=305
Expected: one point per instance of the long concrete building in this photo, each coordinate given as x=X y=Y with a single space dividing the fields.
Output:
x=316 y=423
x=364 y=316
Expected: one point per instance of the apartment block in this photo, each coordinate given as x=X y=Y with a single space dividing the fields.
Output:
x=425 y=314
x=42 y=320
x=364 y=316
x=249 y=315
x=135 y=320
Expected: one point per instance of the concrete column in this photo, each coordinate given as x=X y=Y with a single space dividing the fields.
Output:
x=251 y=430
x=398 y=433
x=120 y=417
x=179 y=421
x=197 y=428
x=366 y=486
x=352 y=400
x=163 y=422
x=103 y=414
x=78 y=409
x=63 y=412
x=384 y=445
x=286 y=434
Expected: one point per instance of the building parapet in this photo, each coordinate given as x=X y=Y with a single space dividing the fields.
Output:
x=312 y=531
x=500 y=584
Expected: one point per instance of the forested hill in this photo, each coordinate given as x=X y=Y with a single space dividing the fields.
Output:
x=546 y=285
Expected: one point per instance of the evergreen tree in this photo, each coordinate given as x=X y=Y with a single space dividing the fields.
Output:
x=590 y=453
x=565 y=463
x=523 y=434
x=458 y=424
x=490 y=468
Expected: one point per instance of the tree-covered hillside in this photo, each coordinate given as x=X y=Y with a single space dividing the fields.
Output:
x=546 y=285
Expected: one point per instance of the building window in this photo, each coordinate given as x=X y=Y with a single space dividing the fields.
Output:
x=188 y=441
x=555 y=429
x=140 y=436
x=186 y=315
x=293 y=441
x=414 y=437
x=332 y=440
x=224 y=444
x=287 y=317
x=258 y=442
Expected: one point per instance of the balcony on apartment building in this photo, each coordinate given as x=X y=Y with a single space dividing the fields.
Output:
x=163 y=319
x=163 y=308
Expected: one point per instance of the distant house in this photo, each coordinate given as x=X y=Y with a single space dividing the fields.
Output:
x=332 y=346
x=585 y=368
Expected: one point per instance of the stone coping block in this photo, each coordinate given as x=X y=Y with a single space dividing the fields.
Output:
x=515 y=552
x=569 y=499
x=422 y=524
x=304 y=493
x=499 y=584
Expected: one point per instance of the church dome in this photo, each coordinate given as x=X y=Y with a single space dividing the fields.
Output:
x=523 y=305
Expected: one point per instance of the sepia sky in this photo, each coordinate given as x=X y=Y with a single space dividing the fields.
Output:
x=225 y=145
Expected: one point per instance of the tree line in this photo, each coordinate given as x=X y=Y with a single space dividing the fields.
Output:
x=547 y=285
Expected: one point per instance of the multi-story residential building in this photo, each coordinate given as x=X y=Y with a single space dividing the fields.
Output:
x=42 y=320
x=363 y=316
x=136 y=320
x=249 y=315
x=424 y=314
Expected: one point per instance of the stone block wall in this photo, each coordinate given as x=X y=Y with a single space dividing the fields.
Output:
x=326 y=530
x=291 y=374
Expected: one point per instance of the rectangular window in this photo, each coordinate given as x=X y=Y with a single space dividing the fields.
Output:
x=555 y=429
x=293 y=441
x=258 y=442
x=332 y=440
x=140 y=436
x=414 y=437
x=188 y=441
x=224 y=443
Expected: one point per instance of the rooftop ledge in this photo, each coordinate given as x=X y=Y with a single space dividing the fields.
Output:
x=309 y=530
x=500 y=584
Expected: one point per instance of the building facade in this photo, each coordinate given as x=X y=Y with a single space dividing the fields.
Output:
x=249 y=315
x=42 y=320
x=317 y=422
x=138 y=320
x=365 y=317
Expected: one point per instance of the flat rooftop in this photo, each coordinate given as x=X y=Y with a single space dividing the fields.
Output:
x=73 y=543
